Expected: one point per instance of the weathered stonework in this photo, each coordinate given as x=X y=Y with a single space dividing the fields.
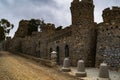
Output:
x=83 y=39
x=22 y=29
x=82 y=12
x=108 y=38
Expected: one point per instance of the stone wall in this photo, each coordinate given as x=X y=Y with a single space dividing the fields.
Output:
x=108 y=45
x=108 y=39
x=84 y=44
x=59 y=42
x=22 y=29
x=29 y=46
x=15 y=45
x=84 y=39
x=111 y=15
x=76 y=41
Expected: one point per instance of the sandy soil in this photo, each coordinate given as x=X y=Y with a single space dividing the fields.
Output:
x=13 y=67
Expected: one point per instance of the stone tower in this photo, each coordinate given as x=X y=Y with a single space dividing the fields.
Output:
x=82 y=12
x=83 y=30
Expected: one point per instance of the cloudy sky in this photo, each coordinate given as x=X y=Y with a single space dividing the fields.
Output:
x=53 y=11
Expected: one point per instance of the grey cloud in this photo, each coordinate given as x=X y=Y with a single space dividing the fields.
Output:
x=15 y=10
x=54 y=11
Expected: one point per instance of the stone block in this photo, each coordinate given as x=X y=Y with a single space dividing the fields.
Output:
x=103 y=73
x=81 y=69
x=66 y=69
x=66 y=65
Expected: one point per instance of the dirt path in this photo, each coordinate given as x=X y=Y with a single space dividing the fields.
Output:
x=13 y=67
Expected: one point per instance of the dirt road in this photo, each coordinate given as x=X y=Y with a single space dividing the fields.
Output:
x=13 y=67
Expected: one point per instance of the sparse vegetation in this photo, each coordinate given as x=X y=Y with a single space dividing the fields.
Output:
x=5 y=27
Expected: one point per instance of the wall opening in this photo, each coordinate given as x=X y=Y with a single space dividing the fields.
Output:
x=66 y=51
x=58 y=54
x=38 y=54
x=116 y=27
x=50 y=52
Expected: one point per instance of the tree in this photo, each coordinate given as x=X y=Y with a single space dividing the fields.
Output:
x=2 y=35
x=59 y=28
x=5 y=27
x=33 y=25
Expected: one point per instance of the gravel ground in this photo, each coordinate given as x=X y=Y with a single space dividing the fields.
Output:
x=13 y=67
x=92 y=74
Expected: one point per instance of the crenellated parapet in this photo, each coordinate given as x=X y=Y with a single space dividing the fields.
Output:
x=82 y=12
x=108 y=38
x=111 y=15
x=47 y=27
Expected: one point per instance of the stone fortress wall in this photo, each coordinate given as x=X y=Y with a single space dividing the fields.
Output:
x=83 y=39
x=108 y=38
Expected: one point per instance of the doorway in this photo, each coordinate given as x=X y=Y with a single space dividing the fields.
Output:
x=66 y=51
x=58 y=56
x=50 y=53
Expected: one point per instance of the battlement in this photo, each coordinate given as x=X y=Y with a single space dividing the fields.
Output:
x=47 y=27
x=82 y=12
x=115 y=8
x=89 y=1
x=111 y=9
x=111 y=15
x=77 y=1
